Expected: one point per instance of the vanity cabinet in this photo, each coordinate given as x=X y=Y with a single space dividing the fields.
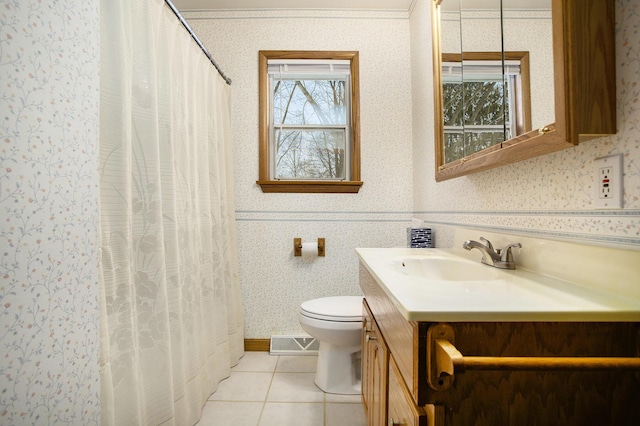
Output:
x=402 y=410
x=396 y=369
x=375 y=363
x=386 y=399
x=389 y=361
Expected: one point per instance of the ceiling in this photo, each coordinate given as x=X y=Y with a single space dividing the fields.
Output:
x=398 y=5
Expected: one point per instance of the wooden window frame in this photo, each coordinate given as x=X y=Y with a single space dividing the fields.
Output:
x=350 y=185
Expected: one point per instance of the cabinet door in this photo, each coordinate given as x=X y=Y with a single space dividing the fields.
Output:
x=402 y=410
x=374 y=371
x=367 y=356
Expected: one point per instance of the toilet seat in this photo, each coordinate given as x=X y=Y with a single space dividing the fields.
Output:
x=335 y=308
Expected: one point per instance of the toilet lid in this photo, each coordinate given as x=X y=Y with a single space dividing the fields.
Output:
x=336 y=308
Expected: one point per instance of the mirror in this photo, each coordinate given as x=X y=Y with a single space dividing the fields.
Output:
x=494 y=80
x=486 y=100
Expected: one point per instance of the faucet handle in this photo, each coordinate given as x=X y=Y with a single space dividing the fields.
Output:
x=484 y=240
x=506 y=255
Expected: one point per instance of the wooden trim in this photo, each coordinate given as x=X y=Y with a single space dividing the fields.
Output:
x=483 y=56
x=525 y=79
x=263 y=116
x=355 y=118
x=438 y=95
x=257 y=345
x=268 y=185
x=523 y=147
x=310 y=54
x=341 y=187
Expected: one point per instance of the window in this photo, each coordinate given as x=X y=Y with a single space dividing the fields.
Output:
x=486 y=101
x=309 y=121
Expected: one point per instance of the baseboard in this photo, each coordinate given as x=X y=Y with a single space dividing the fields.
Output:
x=257 y=345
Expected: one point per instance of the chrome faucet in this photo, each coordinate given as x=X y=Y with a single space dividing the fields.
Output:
x=502 y=259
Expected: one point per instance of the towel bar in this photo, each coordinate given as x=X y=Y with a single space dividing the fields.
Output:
x=444 y=360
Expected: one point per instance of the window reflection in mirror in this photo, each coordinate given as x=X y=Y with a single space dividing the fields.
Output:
x=484 y=91
x=486 y=101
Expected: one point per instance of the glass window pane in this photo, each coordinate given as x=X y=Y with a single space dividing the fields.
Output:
x=309 y=102
x=453 y=146
x=310 y=154
x=483 y=101
x=478 y=140
x=453 y=102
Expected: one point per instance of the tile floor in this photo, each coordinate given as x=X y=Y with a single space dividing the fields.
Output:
x=266 y=390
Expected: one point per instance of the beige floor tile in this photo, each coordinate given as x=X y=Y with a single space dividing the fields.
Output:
x=355 y=399
x=297 y=364
x=294 y=387
x=217 y=413
x=256 y=361
x=292 y=414
x=270 y=390
x=243 y=386
x=345 y=415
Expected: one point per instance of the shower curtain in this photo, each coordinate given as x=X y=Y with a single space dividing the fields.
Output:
x=171 y=313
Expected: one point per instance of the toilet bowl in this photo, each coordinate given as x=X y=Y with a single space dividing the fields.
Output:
x=337 y=324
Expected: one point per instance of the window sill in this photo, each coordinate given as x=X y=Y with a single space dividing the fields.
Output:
x=300 y=186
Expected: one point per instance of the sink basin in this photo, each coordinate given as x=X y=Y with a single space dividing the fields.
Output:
x=444 y=269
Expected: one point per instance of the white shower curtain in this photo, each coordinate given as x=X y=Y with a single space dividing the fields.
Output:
x=171 y=320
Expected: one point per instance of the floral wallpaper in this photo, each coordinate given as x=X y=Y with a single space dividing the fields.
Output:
x=548 y=197
x=48 y=182
x=49 y=318
x=274 y=281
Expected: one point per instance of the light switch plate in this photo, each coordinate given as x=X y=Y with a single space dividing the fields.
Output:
x=608 y=182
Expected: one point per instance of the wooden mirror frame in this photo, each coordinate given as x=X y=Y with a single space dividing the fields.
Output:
x=584 y=87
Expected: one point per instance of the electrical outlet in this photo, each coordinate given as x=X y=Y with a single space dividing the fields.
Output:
x=608 y=184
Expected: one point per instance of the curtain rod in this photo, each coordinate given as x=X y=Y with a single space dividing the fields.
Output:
x=197 y=40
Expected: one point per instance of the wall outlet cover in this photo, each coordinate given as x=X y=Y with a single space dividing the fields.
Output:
x=608 y=182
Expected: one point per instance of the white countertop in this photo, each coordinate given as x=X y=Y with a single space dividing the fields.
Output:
x=513 y=295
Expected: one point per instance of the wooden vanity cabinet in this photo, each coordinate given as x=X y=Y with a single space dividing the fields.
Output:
x=375 y=363
x=396 y=389
x=401 y=410
x=386 y=397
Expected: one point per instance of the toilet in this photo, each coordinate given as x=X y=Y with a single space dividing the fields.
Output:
x=337 y=324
